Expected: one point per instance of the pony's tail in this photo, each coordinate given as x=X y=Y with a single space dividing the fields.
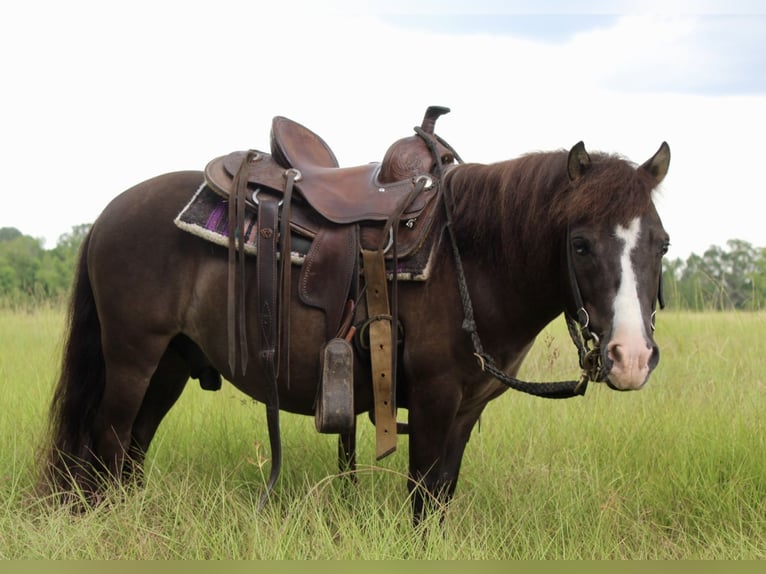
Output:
x=79 y=389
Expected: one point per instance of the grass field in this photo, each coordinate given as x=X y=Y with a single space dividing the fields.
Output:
x=675 y=471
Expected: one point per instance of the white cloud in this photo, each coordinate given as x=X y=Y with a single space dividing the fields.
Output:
x=97 y=100
x=681 y=53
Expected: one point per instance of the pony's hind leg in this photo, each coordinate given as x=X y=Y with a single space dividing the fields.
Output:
x=131 y=363
x=166 y=385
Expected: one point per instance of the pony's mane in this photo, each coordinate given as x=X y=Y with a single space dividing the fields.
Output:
x=532 y=196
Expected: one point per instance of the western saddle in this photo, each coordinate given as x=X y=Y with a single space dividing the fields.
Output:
x=384 y=209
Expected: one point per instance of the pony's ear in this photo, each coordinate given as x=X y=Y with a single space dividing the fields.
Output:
x=659 y=163
x=578 y=161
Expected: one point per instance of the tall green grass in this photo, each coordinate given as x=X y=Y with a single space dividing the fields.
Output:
x=674 y=471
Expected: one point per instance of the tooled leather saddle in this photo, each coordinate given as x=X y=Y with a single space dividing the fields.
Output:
x=385 y=210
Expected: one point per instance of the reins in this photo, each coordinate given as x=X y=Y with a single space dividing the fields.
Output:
x=548 y=390
x=590 y=358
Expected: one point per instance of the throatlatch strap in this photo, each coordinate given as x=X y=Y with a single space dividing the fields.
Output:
x=380 y=352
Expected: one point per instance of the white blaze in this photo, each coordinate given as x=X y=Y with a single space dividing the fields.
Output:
x=628 y=349
x=627 y=309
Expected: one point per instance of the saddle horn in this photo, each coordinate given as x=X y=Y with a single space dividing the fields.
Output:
x=411 y=155
x=432 y=114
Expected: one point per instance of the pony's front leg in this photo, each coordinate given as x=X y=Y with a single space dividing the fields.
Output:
x=439 y=433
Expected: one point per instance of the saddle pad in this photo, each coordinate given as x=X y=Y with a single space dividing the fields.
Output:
x=207 y=216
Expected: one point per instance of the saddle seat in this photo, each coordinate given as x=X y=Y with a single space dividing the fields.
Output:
x=341 y=195
x=370 y=192
x=295 y=146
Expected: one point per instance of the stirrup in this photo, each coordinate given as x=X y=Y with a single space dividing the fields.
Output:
x=335 y=401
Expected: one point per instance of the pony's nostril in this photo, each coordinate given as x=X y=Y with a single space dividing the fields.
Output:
x=615 y=352
x=654 y=358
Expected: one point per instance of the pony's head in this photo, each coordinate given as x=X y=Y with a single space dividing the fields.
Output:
x=612 y=258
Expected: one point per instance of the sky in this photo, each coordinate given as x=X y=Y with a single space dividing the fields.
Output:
x=97 y=96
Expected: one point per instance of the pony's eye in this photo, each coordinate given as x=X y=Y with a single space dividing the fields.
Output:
x=580 y=246
x=665 y=247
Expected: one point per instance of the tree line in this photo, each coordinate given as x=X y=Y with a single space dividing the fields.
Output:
x=722 y=278
x=31 y=274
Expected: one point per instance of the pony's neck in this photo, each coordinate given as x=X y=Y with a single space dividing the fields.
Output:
x=501 y=210
x=511 y=252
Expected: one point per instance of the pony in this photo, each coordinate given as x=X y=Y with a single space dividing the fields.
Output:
x=516 y=244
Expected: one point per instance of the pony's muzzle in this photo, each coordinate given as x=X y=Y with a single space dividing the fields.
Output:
x=630 y=362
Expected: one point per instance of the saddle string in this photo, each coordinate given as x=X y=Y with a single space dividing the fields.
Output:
x=276 y=355
x=241 y=295
x=292 y=176
x=236 y=328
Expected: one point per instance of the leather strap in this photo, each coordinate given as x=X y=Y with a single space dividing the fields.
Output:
x=237 y=333
x=381 y=352
x=283 y=358
x=268 y=321
x=580 y=314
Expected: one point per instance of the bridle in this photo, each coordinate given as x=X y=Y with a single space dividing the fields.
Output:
x=587 y=342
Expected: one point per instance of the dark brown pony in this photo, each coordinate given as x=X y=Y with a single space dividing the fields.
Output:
x=537 y=236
